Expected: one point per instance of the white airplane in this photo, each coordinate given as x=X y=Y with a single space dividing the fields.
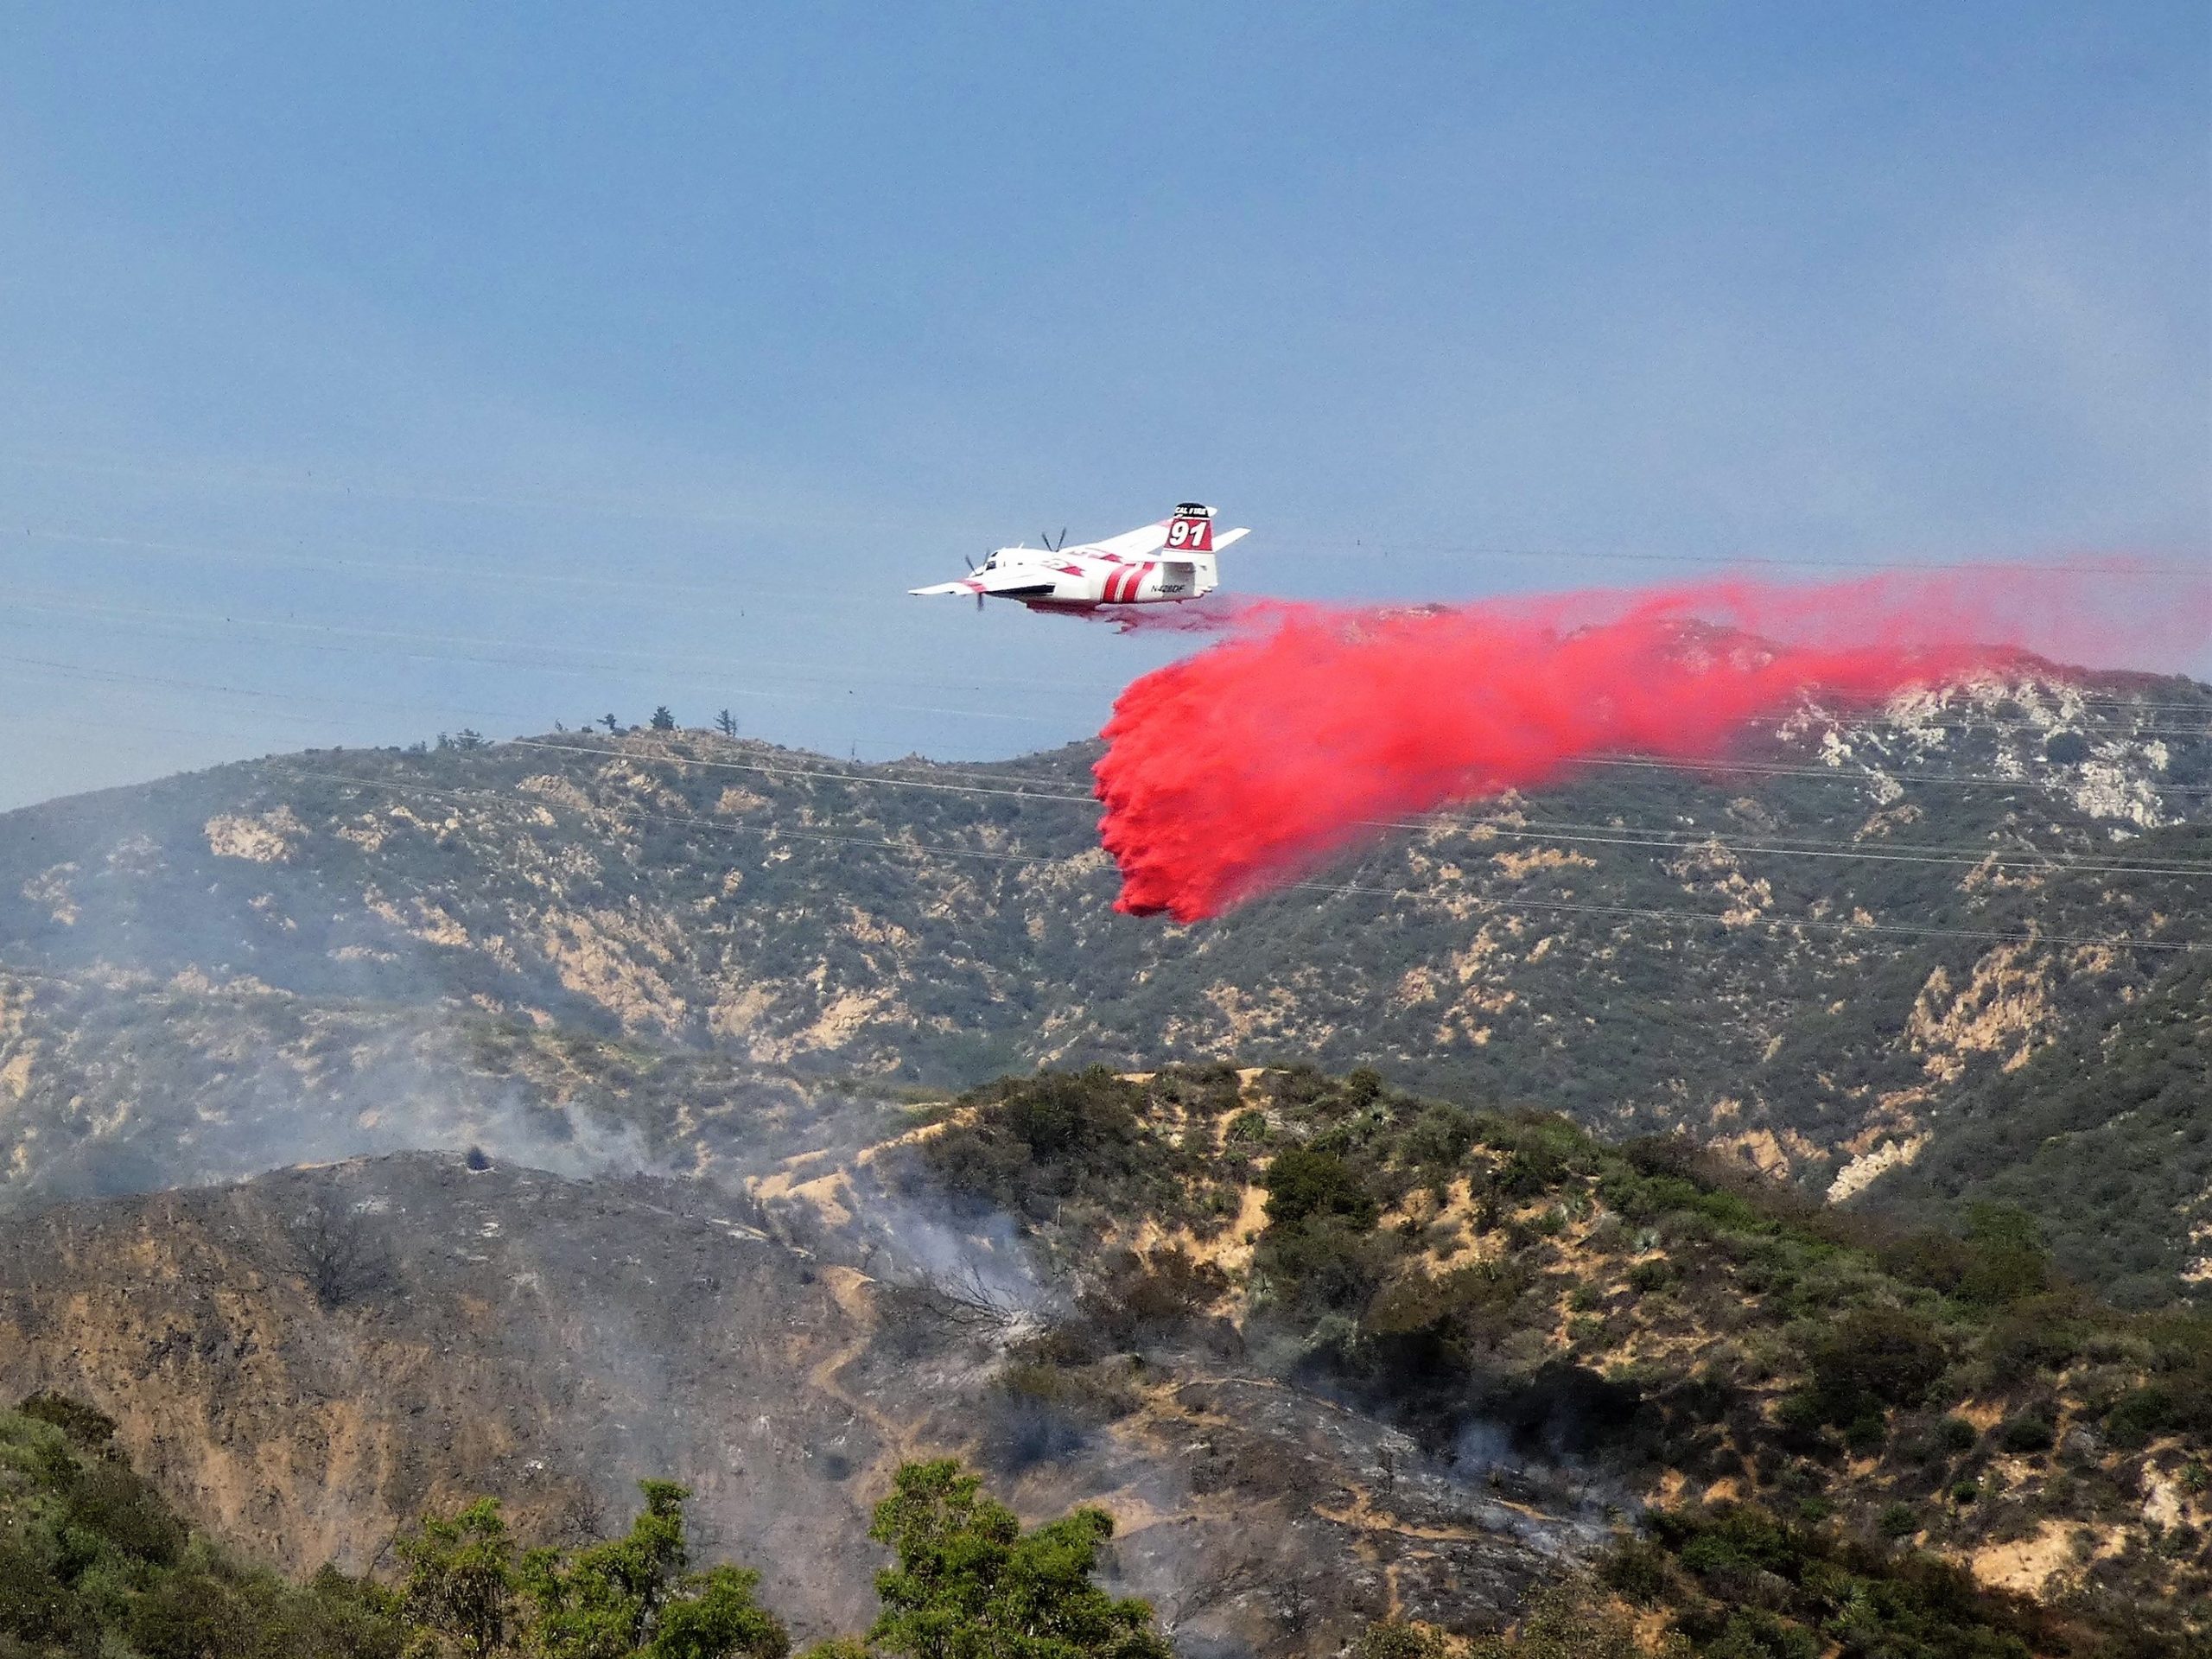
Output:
x=1164 y=563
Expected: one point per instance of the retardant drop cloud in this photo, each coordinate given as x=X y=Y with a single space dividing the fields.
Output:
x=1255 y=761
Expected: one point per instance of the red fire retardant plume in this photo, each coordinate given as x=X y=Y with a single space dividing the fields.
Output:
x=1251 y=763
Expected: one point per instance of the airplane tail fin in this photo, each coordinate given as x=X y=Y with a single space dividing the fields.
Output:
x=1191 y=530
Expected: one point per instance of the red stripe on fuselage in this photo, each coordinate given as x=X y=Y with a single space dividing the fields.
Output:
x=1122 y=586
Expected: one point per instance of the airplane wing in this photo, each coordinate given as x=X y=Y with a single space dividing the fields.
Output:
x=1130 y=543
x=1143 y=542
x=1017 y=583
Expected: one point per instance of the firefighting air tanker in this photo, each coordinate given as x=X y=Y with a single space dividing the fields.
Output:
x=1160 y=563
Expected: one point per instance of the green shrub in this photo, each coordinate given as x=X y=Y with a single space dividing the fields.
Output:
x=36 y=1609
x=1654 y=1274
x=1393 y=1638
x=2007 y=1258
x=1931 y=1259
x=1248 y=1128
x=1324 y=1266
x=1534 y=1167
x=110 y=1500
x=2029 y=1432
x=91 y=1429
x=185 y=1616
x=1866 y=1433
x=1440 y=1137
x=1873 y=1357
x=1639 y=1569
x=1303 y=1183
x=2140 y=1413
x=2037 y=1334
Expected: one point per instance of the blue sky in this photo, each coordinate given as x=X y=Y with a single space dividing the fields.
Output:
x=396 y=368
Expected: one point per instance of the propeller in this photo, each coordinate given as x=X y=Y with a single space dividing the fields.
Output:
x=969 y=563
x=1051 y=546
x=979 y=600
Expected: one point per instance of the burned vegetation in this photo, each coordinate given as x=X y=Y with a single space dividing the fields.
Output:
x=1892 y=1430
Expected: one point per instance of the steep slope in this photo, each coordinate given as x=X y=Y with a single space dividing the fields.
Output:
x=305 y=1360
x=1328 y=1353
x=1878 y=921
x=1513 y=1292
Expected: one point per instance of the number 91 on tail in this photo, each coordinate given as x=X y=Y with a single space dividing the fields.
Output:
x=1160 y=563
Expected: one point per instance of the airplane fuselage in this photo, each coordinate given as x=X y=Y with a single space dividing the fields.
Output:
x=1154 y=564
x=1039 y=578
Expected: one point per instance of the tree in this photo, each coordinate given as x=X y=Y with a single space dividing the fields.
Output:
x=630 y=1597
x=1873 y=1357
x=726 y=723
x=341 y=1261
x=1302 y=1182
x=612 y=724
x=717 y=1617
x=602 y=1602
x=662 y=721
x=970 y=1584
x=461 y=1580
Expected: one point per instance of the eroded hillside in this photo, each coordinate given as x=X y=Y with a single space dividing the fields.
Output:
x=1882 y=930
x=304 y=1362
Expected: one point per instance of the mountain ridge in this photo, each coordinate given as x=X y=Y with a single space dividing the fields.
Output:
x=797 y=926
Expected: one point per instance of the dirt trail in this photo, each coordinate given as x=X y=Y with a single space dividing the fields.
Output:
x=897 y=1443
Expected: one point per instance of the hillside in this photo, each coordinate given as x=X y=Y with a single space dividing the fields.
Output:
x=306 y=1361
x=1905 y=937
x=1343 y=1365
x=1507 y=1288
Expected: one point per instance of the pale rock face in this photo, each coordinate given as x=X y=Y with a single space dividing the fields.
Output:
x=270 y=838
x=51 y=889
x=2004 y=1005
x=1865 y=1170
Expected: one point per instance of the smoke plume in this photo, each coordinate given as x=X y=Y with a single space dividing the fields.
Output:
x=1243 y=767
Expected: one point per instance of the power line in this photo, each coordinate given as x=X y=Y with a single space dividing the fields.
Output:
x=1990 y=936
x=1965 y=779
x=774 y=832
x=1610 y=834
x=1994 y=857
x=1566 y=832
x=537 y=655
